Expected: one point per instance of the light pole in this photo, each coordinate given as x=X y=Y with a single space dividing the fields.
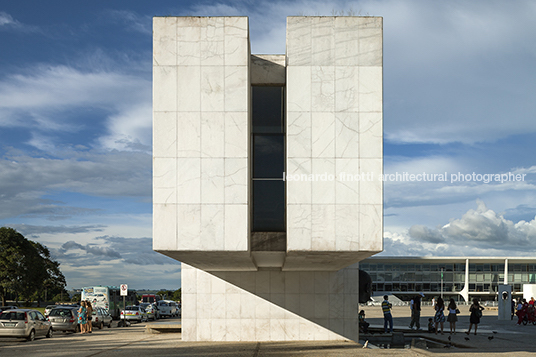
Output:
x=441 y=283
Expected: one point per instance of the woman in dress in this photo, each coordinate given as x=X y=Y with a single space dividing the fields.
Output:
x=452 y=318
x=89 y=323
x=476 y=313
x=82 y=317
x=439 y=317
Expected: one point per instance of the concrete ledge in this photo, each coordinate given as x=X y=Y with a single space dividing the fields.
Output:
x=163 y=327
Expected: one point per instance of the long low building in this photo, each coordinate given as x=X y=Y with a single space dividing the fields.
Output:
x=457 y=277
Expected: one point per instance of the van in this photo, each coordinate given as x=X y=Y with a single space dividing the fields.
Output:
x=164 y=308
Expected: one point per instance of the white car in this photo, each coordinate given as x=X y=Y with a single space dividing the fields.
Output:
x=134 y=313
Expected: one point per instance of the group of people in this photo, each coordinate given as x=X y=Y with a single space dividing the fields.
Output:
x=435 y=324
x=85 y=313
x=523 y=309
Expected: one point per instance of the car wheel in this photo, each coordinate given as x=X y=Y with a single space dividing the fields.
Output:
x=50 y=333
x=110 y=324
x=101 y=325
x=31 y=336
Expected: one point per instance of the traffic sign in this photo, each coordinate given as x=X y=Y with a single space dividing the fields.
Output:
x=124 y=289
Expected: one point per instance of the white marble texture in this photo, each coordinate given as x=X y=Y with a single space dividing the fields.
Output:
x=201 y=96
x=293 y=306
x=334 y=119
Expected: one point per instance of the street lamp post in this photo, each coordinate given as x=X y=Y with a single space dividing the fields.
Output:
x=441 y=283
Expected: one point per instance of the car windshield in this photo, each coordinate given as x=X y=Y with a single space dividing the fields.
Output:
x=12 y=316
x=60 y=312
x=131 y=308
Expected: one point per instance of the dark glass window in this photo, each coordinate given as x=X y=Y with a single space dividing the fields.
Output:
x=268 y=152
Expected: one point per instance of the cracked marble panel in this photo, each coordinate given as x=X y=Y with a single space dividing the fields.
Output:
x=371 y=135
x=323 y=229
x=348 y=181
x=324 y=185
x=165 y=41
x=323 y=134
x=164 y=134
x=346 y=41
x=323 y=88
x=347 y=221
x=189 y=134
x=212 y=89
x=370 y=89
x=347 y=135
x=322 y=41
x=370 y=233
x=212 y=134
x=299 y=40
x=347 y=89
x=370 y=191
x=236 y=41
x=299 y=134
x=236 y=88
x=299 y=227
x=189 y=180
x=212 y=232
x=212 y=180
x=236 y=181
x=189 y=225
x=299 y=188
x=165 y=89
x=298 y=89
x=371 y=41
x=212 y=40
x=188 y=88
x=236 y=134
x=236 y=235
x=166 y=229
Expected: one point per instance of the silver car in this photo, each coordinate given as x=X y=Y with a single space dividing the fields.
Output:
x=24 y=323
x=64 y=319
x=134 y=313
x=101 y=318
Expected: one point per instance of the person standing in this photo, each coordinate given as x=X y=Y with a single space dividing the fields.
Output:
x=82 y=317
x=387 y=317
x=89 y=325
x=452 y=318
x=439 y=317
x=476 y=314
x=415 y=307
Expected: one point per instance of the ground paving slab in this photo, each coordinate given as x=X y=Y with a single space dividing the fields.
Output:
x=509 y=340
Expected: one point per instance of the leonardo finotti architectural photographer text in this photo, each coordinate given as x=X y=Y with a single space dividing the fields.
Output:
x=409 y=177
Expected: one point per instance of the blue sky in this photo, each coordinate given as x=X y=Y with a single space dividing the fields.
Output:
x=75 y=125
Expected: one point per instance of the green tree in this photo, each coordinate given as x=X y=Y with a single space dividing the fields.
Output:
x=177 y=295
x=26 y=267
x=76 y=298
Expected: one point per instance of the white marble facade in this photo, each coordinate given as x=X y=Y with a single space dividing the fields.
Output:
x=202 y=74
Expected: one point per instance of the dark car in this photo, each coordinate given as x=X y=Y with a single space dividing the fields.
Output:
x=64 y=319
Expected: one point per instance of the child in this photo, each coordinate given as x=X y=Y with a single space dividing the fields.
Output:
x=431 y=325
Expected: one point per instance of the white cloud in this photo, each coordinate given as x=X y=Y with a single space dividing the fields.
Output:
x=480 y=228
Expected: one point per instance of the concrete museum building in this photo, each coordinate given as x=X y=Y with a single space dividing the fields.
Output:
x=262 y=173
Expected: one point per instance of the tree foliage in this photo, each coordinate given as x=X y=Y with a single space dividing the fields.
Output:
x=26 y=268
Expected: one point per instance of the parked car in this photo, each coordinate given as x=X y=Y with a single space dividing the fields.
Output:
x=150 y=310
x=64 y=318
x=134 y=313
x=24 y=323
x=175 y=311
x=48 y=309
x=101 y=318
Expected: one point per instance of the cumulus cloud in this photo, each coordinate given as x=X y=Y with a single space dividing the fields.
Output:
x=480 y=228
x=91 y=249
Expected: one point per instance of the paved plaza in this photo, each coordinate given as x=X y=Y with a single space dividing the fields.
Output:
x=508 y=340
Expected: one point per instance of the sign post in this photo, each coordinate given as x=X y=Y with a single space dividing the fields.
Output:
x=124 y=293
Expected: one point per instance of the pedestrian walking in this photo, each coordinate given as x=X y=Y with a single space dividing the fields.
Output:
x=476 y=313
x=387 y=317
x=415 y=307
x=82 y=317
